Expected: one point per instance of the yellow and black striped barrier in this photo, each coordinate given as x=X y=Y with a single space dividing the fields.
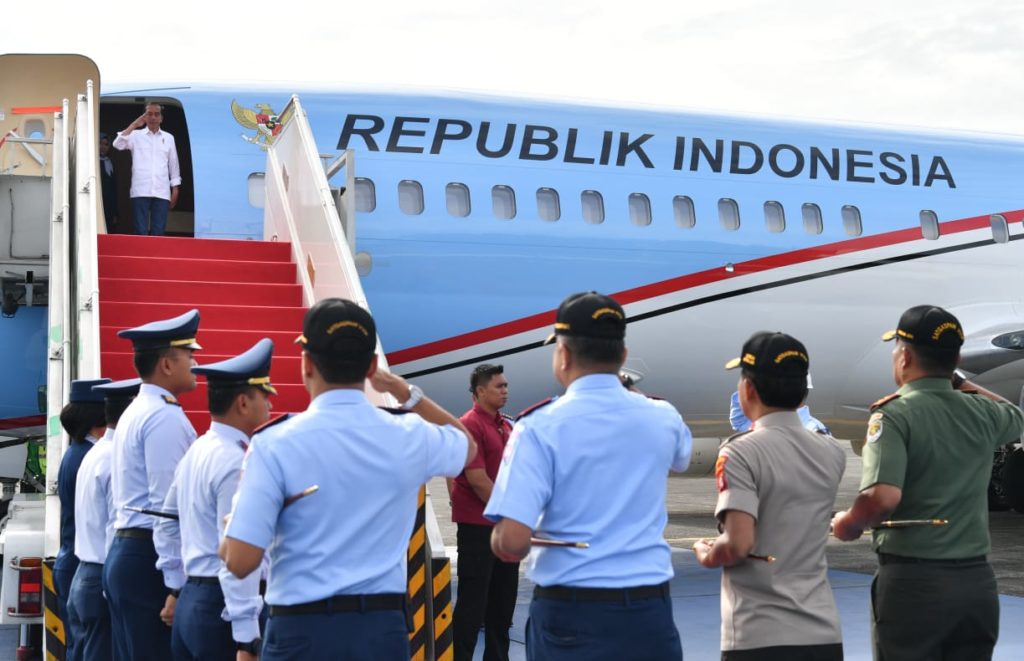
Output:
x=53 y=628
x=444 y=649
x=417 y=573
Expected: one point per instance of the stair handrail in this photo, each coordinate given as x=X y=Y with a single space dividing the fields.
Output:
x=86 y=282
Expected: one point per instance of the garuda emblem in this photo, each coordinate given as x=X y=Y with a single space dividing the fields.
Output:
x=263 y=120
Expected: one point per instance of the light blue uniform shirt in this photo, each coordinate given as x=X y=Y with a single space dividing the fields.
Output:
x=592 y=466
x=94 y=503
x=201 y=494
x=741 y=422
x=151 y=438
x=351 y=536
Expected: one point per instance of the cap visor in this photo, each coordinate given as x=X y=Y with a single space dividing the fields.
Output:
x=301 y=339
x=192 y=345
x=268 y=388
x=732 y=364
x=888 y=335
x=550 y=338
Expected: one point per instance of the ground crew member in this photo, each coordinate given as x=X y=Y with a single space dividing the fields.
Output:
x=150 y=440
x=82 y=419
x=777 y=484
x=88 y=611
x=928 y=455
x=591 y=466
x=204 y=484
x=338 y=582
x=487 y=587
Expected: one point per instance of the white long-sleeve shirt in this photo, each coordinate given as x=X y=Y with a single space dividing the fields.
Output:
x=154 y=162
x=94 y=503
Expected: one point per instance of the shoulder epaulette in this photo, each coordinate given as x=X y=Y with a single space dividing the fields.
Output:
x=170 y=400
x=393 y=410
x=270 y=423
x=508 y=417
x=737 y=435
x=539 y=405
x=885 y=400
x=654 y=397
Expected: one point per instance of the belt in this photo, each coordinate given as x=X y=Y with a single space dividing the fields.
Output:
x=203 y=580
x=890 y=559
x=566 y=593
x=345 y=603
x=135 y=533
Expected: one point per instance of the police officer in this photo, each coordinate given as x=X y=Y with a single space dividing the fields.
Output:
x=150 y=440
x=929 y=456
x=88 y=611
x=82 y=419
x=591 y=466
x=777 y=484
x=204 y=484
x=338 y=580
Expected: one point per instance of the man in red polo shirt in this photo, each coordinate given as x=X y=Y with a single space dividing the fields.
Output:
x=487 y=586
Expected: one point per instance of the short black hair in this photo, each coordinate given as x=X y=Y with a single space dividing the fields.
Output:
x=335 y=370
x=146 y=360
x=221 y=399
x=482 y=374
x=78 y=418
x=114 y=408
x=595 y=352
x=784 y=392
x=934 y=360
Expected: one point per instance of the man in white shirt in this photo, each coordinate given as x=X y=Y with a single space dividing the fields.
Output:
x=156 y=177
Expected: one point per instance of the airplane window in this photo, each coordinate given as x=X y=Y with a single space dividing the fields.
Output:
x=410 y=197
x=851 y=220
x=774 y=217
x=257 y=184
x=1000 y=229
x=729 y=214
x=929 y=225
x=593 y=207
x=366 y=195
x=548 y=207
x=456 y=198
x=682 y=209
x=35 y=129
x=503 y=199
x=639 y=209
x=812 y=218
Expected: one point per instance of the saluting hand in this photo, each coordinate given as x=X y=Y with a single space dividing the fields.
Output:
x=394 y=385
x=138 y=123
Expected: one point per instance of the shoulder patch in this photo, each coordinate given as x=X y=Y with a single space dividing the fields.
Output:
x=270 y=423
x=539 y=405
x=393 y=410
x=885 y=400
x=721 y=481
x=875 y=425
x=170 y=400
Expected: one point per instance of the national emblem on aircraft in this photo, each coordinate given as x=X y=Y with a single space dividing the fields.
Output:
x=263 y=120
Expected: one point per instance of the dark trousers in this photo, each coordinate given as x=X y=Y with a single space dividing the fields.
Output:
x=638 y=630
x=199 y=633
x=150 y=215
x=89 y=615
x=63 y=572
x=136 y=594
x=486 y=595
x=354 y=636
x=788 y=653
x=925 y=611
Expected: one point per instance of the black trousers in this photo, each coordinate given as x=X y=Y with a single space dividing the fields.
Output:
x=832 y=652
x=486 y=595
x=940 y=611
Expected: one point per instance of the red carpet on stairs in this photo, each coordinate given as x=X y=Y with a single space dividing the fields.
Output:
x=244 y=291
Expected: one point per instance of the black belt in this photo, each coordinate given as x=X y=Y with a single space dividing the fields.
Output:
x=135 y=533
x=345 y=603
x=203 y=580
x=566 y=593
x=890 y=559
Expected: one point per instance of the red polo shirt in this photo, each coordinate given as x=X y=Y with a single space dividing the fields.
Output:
x=491 y=433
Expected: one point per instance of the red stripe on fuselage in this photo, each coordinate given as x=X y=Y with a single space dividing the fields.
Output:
x=689 y=281
x=27 y=421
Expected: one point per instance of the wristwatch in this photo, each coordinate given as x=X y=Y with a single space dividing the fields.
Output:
x=415 y=395
x=252 y=647
x=958 y=379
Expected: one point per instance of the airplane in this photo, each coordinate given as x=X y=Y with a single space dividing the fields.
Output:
x=477 y=214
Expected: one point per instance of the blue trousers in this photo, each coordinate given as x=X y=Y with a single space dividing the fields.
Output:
x=639 y=630
x=150 y=214
x=63 y=572
x=352 y=636
x=89 y=615
x=199 y=633
x=136 y=594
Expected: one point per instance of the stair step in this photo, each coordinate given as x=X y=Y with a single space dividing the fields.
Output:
x=197 y=293
x=240 y=317
x=289 y=397
x=219 y=341
x=121 y=267
x=188 y=248
x=118 y=365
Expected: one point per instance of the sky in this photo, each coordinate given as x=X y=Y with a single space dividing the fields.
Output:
x=934 y=64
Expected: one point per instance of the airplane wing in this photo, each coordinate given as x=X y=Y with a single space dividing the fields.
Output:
x=244 y=116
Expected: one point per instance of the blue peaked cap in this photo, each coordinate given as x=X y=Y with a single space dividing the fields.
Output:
x=123 y=389
x=82 y=391
x=179 y=332
x=251 y=368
